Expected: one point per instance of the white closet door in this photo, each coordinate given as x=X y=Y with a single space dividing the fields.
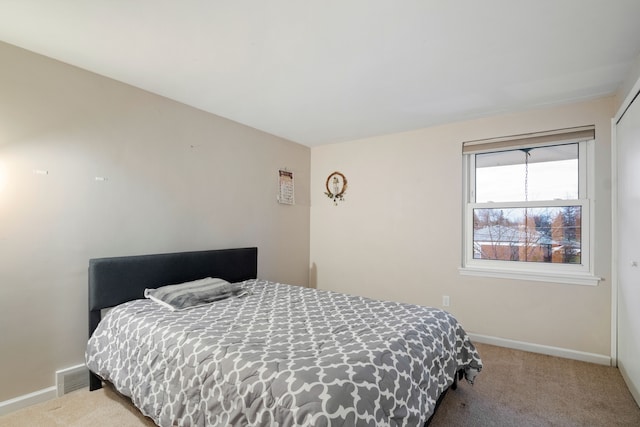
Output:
x=628 y=268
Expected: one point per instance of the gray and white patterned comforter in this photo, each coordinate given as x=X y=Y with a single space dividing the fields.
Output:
x=283 y=355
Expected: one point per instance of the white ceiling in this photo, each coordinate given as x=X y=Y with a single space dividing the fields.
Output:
x=327 y=71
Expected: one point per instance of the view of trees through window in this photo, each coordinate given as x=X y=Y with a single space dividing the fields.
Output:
x=542 y=228
x=547 y=234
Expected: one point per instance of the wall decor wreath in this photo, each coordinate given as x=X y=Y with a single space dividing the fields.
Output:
x=336 y=186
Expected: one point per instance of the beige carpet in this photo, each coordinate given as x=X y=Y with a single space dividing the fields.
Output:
x=515 y=389
x=81 y=408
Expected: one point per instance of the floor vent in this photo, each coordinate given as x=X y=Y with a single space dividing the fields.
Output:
x=71 y=379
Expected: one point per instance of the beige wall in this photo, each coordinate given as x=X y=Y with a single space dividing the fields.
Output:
x=398 y=233
x=177 y=179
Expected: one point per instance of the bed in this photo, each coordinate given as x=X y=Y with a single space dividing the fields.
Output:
x=272 y=354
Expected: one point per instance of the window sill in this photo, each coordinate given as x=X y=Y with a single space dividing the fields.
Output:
x=585 y=279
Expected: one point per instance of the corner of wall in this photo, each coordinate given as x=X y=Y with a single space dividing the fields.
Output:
x=625 y=90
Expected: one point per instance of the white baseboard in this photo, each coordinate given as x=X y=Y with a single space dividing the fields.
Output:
x=566 y=353
x=23 y=401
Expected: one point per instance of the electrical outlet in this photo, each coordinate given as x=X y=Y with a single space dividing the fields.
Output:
x=445 y=300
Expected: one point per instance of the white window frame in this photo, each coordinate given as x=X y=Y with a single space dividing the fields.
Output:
x=578 y=274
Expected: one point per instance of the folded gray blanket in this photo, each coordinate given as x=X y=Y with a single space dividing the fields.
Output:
x=193 y=294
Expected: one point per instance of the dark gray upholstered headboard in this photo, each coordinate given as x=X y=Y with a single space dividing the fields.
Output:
x=113 y=281
x=116 y=280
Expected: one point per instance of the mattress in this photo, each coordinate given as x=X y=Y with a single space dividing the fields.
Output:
x=282 y=355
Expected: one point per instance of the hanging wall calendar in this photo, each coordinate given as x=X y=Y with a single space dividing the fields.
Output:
x=285 y=185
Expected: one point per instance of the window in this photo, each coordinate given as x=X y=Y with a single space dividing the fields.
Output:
x=527 y=207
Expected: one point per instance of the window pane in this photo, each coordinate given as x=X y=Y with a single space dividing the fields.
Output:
x=547 y=234
x=544 y=173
